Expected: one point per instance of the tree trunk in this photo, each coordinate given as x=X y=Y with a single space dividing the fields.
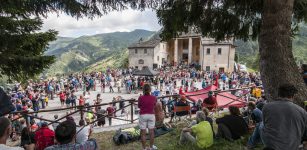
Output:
x=277 y=63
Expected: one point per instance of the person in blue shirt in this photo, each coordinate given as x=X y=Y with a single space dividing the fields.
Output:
x=203 y=84
x=156 y=93
x=256 y=117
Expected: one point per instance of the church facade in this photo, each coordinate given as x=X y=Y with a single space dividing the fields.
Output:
x=186 y=49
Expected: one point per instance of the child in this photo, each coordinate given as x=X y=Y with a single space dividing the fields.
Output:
x=62 y=98
x=111 y=89
x=81 y=100
x=46 y=101
x=103 y=86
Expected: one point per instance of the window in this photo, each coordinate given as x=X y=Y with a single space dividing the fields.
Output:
x=136 y=51
x=207 y=68
x=219 y=51
x=145 y=51
x=158 y=58
x=208 y=51
x=141 y=61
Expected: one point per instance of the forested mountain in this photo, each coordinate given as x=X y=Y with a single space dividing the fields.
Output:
x=74 y=54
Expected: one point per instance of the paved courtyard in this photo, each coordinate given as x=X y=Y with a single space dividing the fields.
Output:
x=106 y=98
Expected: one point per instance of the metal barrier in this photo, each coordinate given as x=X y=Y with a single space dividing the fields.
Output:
x=131 y=102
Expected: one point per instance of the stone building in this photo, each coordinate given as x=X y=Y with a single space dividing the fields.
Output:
x=186 y=49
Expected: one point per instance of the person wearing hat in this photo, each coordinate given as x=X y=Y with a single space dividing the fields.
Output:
x=210 y=100
x=44 y=137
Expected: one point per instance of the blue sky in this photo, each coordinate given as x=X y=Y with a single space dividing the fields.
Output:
x=127 y=20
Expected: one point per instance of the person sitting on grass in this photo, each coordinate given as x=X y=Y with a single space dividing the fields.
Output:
x=284 y=123
x=209 y=119
x=159 y=114
x=256 y=116
x=233 y=126
x=202 y=131
x=65 y=135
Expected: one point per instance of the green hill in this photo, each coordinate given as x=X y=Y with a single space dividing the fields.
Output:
x=75 y=54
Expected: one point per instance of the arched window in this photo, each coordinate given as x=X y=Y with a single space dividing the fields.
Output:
x=141 y=61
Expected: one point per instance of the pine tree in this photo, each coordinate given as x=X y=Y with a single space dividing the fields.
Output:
x=22 y=46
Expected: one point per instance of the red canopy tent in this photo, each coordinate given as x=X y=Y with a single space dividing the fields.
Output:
x=224 y=99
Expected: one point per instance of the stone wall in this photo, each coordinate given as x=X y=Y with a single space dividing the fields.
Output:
x=134 y=58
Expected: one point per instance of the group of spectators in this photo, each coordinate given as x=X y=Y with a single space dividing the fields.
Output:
x=36 y=95
x=65 y=136
x=278 y=125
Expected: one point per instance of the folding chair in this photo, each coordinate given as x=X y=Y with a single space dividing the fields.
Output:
x=178 y=109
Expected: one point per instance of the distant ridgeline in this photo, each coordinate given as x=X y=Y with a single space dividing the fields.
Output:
x=97 y=52
x=87 y=53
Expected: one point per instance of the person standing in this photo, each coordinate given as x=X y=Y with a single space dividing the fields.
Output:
x=146 y=103
x=73 y=99
x=284 y=123
x=111 y=88
x=81 y=100
x=101 y=116
x=84 y=132
x=62 y=98
x=111 y=113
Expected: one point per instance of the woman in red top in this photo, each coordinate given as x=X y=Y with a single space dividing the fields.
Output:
x=146 y=103
x=81 y=100
x=181 y=91
x=62 y=98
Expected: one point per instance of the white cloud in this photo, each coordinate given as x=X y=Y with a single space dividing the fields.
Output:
x=126 y=20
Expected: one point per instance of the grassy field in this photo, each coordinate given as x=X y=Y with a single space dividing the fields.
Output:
x=168 y=141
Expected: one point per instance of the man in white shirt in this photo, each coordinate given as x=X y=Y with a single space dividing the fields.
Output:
x=5 y=131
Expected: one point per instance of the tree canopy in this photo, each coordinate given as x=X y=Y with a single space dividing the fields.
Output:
x=271 y=22
x=22 y=45
x=219 y=19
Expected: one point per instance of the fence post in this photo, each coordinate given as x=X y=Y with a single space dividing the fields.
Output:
x=131 y=111
x=81 y=112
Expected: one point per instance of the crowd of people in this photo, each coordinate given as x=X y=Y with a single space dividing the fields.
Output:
x=36 y=95
x=270 y=124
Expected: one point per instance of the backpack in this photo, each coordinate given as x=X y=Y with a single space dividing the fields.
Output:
x=126 y=136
